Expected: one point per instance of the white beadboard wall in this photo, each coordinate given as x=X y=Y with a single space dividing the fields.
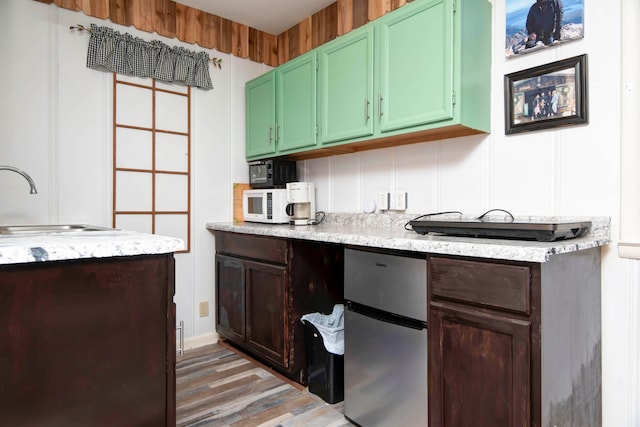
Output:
x=55 y=116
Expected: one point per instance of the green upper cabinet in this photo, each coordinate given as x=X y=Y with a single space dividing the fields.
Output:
x=345 y=87
x=296 y=103
x=260 y=104
x=415 y=65
x=419 y=73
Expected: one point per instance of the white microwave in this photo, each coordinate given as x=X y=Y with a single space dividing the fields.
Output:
x=265 y=205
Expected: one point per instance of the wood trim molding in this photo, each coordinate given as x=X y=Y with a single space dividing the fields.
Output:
x=175 y=20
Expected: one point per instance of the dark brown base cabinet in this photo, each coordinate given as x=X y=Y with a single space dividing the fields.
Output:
x=88 y=343
x=513 y=343
x=264 y=285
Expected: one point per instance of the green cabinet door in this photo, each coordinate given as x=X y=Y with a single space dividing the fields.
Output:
x=296 y=103
x=415 y=78
x=345 y=87
x=260 y=97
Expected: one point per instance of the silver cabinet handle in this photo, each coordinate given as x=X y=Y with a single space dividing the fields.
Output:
x=379 y=106
x=366 y=109
x=277 y=133
x=270 y=138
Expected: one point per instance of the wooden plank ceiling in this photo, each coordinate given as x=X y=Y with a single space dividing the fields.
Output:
x=171 y=19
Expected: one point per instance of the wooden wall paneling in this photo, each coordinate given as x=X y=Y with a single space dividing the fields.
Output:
x=187 y=23
x=224 y=35
x=240 y=40
x=294 y=41
x=141 y=14
x=283 y=47
x=270 y=49
x=96 y=8
x=325 y=25
x=305 y=29
x=378 y=8
x=118 y=12
x=70 y=4
x=209 y=31
x=164 y=18
x=256 y=45
x=360 y=13
x=171 y=19
x=345 y=16
x=396 y=4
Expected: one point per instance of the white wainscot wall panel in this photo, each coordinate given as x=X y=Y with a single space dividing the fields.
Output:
x=171 y=194
x=588 y=152
x=318 y=171
x=345 y=170
x=133 y=148
x=523 y=169
x=84 y=109
x=171 y=111
x=24 y=111
x=416 y=173
x=463 y=175
x=218 y=160
x=172 y=152
x=376 y=174
x=134 y=106
x=587 y=181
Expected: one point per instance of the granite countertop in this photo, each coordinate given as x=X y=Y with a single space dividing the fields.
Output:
x=387 y=231
x=52 y=246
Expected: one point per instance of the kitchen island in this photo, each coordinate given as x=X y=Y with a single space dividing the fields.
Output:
x=88 y=334
x=514 y=327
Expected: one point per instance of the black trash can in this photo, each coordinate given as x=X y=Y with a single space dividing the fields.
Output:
x=325 y=371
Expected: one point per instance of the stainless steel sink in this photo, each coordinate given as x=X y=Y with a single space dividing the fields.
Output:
x=48 y=229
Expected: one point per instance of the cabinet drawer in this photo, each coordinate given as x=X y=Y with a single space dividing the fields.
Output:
x=489 y=284
x=262 y=248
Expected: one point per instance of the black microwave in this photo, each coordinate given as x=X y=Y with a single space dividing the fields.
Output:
x=272 y=173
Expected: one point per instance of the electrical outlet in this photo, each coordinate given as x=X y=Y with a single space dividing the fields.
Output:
x=401 y=200
x=383 y=201
x=204 y=308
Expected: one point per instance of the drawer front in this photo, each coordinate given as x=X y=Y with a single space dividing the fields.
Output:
x=262 y=248
x=489 y=284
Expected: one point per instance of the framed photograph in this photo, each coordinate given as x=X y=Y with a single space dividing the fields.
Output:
x=547 y=96
x=538 y=24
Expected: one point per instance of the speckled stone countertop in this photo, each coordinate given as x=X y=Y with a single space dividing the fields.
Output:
x=387 y=231
x=17 y=249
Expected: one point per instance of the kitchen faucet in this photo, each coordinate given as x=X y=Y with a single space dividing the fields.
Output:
x=24 y=174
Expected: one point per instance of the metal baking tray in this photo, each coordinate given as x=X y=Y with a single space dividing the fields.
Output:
x=541 y=231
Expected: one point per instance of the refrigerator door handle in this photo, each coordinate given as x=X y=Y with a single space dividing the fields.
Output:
x=384 y=316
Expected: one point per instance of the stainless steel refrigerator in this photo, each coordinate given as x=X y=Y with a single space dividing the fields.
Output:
x=385 y=339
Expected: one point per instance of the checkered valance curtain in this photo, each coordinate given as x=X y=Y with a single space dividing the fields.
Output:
x=129 y=55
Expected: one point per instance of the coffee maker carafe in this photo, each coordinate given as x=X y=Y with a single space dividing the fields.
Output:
x=301 y=199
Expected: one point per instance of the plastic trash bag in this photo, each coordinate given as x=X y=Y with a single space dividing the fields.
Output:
x=330 y=327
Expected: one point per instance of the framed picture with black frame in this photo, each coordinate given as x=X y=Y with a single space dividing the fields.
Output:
x=547 y=96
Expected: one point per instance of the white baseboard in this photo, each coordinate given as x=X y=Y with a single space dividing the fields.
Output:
x=199 y=341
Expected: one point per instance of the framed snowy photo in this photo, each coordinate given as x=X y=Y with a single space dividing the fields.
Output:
x=538 y=24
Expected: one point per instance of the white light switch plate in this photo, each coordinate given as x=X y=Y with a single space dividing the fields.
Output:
x=383 y=201
x=401 y=201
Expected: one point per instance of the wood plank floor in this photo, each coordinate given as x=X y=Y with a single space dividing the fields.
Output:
x=216 y=386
